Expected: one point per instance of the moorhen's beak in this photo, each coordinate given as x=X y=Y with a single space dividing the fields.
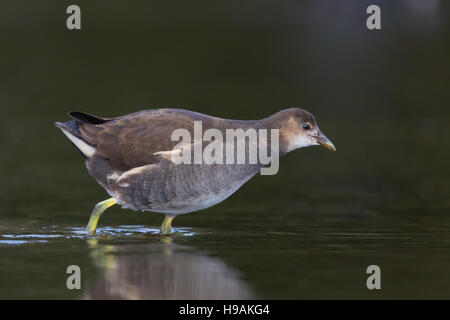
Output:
x=324 y=141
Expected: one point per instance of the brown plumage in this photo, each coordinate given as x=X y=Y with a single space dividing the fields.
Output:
x=127 y=156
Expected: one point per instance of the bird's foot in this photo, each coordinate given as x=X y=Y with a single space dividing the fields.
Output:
x=166 y=227
x=96 y=214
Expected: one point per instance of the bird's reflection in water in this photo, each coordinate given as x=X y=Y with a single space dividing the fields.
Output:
x=162 y=270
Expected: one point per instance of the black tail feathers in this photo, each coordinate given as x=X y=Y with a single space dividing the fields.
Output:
x=87 y=118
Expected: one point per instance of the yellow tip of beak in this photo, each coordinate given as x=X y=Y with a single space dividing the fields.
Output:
x=325 y=142
x=329 y=146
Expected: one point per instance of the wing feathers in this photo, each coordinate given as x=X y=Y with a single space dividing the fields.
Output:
x=131 y=141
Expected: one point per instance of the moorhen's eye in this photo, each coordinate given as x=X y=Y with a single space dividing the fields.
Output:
x=306 y=126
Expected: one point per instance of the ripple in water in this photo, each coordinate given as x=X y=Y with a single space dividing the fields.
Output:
x=47 y=233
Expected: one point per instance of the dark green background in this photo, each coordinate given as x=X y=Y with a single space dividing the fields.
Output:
x=308 y=232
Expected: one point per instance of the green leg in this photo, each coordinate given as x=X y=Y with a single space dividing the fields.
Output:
x=166 y=225
x=96 y=214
